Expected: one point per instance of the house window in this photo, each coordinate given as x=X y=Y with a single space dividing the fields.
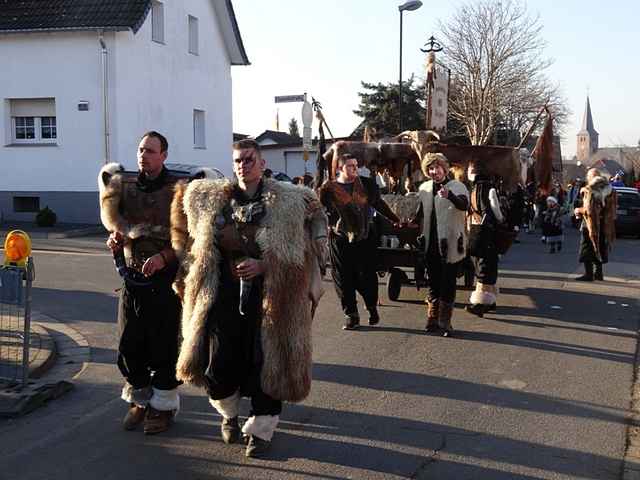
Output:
x=157 y=21
x=24 y=128
x=198 y=129
x=26 y=204
x=33 y=120
x=48 y=128
x=193 y=35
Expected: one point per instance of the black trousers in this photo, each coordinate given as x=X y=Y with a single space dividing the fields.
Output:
x=148 y=320
x=442 y=279
x=235 y=349
x=353 y=268
x=487 y=269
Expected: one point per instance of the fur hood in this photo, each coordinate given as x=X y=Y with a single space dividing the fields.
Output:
x=599 y=188
x=284 y=237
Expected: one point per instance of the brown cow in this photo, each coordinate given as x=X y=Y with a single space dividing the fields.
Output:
x=374 y=156
x=502 y=162
x=409 y=148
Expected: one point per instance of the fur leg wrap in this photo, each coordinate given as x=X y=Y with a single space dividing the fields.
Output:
x=227 y=407
x=484 y=294
x=432 y=312
x=165 y=400
x=139 y=396
x=262 y=426
x=444 y=315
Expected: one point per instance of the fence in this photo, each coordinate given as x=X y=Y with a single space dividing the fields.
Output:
x=15 y=322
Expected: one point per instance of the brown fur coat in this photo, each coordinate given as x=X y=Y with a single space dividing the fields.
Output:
x=290 y=257
x=599 y=203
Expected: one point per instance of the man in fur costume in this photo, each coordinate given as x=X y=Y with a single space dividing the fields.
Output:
x=135 y=209
x=250 y=252
x=484 y=217
x=596 y=206
x=442 y=214
x=350 y=201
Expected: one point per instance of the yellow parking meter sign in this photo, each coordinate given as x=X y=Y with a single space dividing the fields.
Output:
x=17 y=248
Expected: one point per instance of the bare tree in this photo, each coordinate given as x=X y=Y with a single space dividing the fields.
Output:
x=495 y=50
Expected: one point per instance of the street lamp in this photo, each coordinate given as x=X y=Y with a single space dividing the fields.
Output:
x=409 y=6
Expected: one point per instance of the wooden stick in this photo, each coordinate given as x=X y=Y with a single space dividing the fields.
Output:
x=533 y=125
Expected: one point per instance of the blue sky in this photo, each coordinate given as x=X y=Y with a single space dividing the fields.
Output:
x=327 y=47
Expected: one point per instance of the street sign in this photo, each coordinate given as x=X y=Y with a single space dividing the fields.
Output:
x=289 y=98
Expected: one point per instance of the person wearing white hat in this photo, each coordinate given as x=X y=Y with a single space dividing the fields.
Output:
x=552 y=225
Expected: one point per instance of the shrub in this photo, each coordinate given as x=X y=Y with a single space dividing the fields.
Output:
x=46 y=217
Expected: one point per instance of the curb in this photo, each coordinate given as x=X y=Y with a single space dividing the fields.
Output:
x=79 y=232
x=46 y=354
x=631 y=460
x=48 y=378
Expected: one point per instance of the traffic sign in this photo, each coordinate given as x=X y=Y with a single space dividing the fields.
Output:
x=289 y=98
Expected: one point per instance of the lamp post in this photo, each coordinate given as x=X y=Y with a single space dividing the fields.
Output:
x=409 y=6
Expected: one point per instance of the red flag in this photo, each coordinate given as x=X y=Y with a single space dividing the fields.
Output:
x=543 y=153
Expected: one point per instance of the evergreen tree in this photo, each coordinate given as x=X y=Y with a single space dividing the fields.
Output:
x=293 y=128
x=379 y=107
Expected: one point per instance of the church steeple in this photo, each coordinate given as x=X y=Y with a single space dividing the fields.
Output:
x=587 y=136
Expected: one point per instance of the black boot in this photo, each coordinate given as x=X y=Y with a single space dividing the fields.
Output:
x=588 y=273
x=374 y=318
x=352 y=322
x=230 y=430
x=598 y=275
x=256 y=447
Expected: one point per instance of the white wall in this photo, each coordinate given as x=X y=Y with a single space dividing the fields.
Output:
x=159 y=85
x=152 y=86
x=289 y=160
x=65 y=66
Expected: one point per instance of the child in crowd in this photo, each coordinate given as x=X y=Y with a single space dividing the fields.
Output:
x=552 y=225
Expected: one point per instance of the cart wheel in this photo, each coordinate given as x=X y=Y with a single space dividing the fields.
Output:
x=394 y=283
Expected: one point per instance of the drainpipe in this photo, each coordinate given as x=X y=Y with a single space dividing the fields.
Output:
x=105 y=96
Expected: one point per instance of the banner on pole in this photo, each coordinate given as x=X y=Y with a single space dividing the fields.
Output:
x=440 y=98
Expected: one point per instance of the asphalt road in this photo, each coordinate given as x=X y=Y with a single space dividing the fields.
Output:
x=540 y=389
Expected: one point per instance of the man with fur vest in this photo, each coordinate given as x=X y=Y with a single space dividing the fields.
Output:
x=442 y=212
x=351 y=201
x=135 y=209
x=596 y=206
x=484 y=216
x=250 y=252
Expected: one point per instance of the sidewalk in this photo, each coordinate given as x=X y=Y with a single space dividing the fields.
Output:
x=61 y=238
x=62 y=230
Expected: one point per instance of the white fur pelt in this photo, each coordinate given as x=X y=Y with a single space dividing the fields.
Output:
x=450 y=221
x=288 y=253
x=404 y=206
x=484 y=294
x=494 y=202
x=110 y=188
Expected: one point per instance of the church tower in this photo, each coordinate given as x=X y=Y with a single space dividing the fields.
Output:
x=587 y=136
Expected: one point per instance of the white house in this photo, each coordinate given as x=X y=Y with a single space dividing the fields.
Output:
x=82 y=80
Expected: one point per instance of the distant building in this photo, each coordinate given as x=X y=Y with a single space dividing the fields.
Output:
x=284 y=152
x=610 y=159
x=83 y=79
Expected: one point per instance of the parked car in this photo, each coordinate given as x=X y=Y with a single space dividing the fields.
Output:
x=628 y=212
x=282 y=177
